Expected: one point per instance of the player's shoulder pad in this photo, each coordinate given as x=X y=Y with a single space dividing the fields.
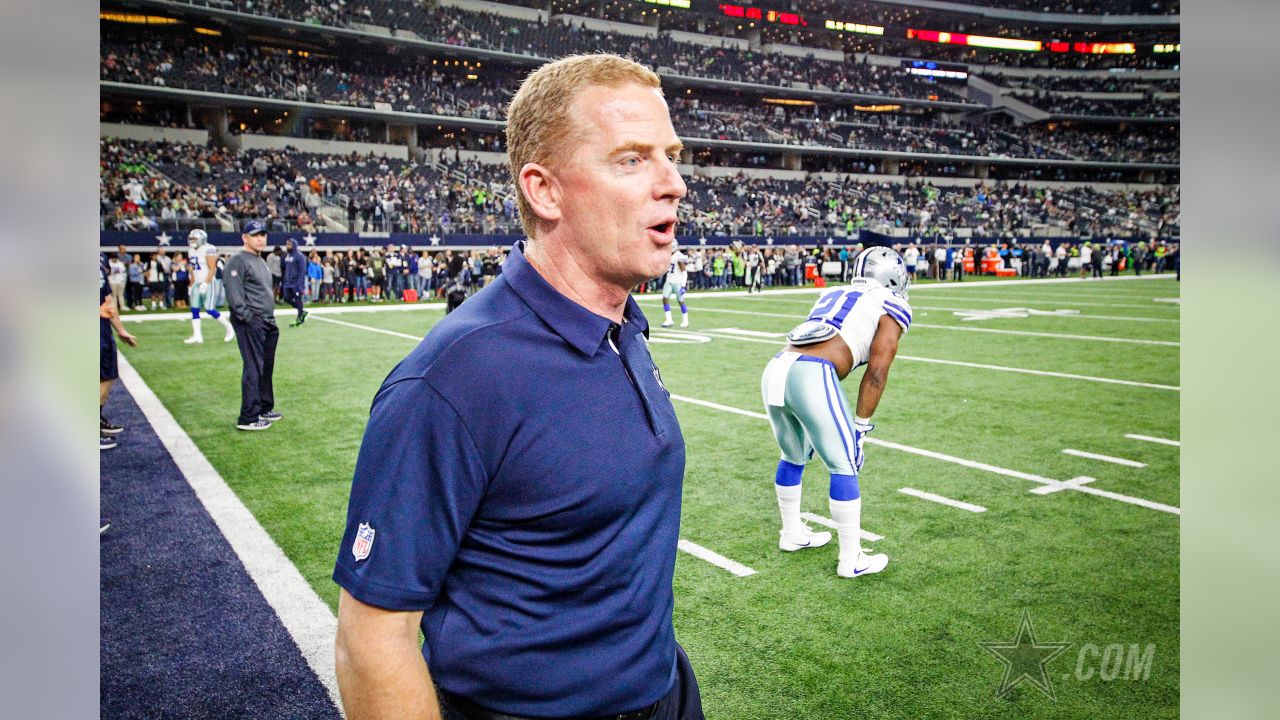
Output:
x=896 y=307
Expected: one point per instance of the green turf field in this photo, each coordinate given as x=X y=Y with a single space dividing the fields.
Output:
x=1095 y=567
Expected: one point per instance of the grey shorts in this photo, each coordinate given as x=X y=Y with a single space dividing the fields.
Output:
x=808 y=411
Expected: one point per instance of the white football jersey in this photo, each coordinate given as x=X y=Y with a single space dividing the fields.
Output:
x=855 y=310
x=199 y=259
x=676 y=275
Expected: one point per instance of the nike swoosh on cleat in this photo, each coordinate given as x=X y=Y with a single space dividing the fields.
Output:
x=857 y=572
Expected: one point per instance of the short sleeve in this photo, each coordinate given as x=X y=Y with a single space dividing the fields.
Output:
x=418 y=482
x=896 y=307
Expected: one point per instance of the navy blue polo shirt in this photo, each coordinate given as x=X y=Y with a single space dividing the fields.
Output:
x=519 y=481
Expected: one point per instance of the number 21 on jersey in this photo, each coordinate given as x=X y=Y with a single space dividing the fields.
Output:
x=834 y=307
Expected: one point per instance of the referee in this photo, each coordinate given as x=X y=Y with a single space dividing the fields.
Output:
x=249 y=293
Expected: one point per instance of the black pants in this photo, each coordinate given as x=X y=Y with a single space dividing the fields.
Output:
x=682 y=702
x=294 y=297
x=257 y=339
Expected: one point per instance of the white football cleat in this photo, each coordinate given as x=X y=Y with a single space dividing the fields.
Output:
x=668 y=323
x=684 y=323
x=863 y=564
x=804 y=541
x=231 y=335
x=193 y=340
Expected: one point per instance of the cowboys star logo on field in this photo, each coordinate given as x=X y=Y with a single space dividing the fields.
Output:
x=1025 y=659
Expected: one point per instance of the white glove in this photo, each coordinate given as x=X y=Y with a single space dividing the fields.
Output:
x=202 y=287
x=860 y=430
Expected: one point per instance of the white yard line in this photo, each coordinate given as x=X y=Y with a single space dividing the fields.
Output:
x=1073 y=483
x=1019 y=301
x=1073 y=316
x=905 y=448
x=1046 y=373
x=828 y=522
x=1104 y=458
x=695 y=310
x=304 y=615
x=942 y=500
x=370 y=328
x=735 y=334
x=1148 y=438
x=1064 y=336
x=312 y=312
x=1150 y=504
x=715 y=558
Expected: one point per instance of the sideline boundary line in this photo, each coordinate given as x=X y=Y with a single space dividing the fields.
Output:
x=306 y=617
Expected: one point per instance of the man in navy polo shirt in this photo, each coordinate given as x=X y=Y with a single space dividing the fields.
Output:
x=517 y=492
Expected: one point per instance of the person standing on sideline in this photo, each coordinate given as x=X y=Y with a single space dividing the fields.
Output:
x=293 y=278
x=108 y=362
x=535 y=547
x=858 y=324
x=202 y=262
x=253 y=309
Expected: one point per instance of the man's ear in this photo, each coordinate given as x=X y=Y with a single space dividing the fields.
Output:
x=541 y=191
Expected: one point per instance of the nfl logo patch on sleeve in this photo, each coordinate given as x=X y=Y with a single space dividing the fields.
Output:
x=364 y=542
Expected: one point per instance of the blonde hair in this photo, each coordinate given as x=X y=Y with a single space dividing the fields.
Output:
x=540 y=119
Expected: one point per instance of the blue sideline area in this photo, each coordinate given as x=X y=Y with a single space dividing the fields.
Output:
x=185 y=632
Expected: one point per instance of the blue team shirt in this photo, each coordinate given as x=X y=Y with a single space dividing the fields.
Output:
x=520 y=482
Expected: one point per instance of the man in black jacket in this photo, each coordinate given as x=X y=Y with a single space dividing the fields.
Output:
x=248 y=284
x=294 y=282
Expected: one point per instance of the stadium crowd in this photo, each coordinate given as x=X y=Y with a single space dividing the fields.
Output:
x=1098 y=107
x=160 y=280
x=146 y=185
x=419 y=86
x=1084 y=7
x=1087 y=83
x=456 y=26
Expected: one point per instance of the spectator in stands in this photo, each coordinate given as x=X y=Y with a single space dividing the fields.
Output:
x=274 y=267
x=315 y=276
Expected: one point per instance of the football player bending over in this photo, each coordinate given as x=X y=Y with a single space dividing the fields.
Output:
x=203 y=259
x=859 y=324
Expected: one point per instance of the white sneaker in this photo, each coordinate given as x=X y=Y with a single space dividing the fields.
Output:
x=863 y=564
x=809 y=539
x=668 y=323
x=193 y=340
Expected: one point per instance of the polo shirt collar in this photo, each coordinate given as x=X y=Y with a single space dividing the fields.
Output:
x=580 y=327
